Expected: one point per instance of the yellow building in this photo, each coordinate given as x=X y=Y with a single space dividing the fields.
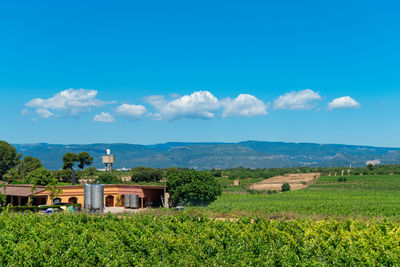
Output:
x=114 y=195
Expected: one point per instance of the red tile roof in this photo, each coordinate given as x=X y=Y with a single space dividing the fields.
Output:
x=23 y=190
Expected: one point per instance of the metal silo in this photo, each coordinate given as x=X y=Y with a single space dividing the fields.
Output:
x=134 y=201
x=127 y=201
x=87 y=197
x=97 y=196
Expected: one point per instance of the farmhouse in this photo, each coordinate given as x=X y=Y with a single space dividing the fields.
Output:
x=114 y=195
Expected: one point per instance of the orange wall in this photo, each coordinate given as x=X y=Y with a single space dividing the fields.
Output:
x=114 y=190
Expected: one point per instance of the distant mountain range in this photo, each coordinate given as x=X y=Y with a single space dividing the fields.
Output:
x=250 y=154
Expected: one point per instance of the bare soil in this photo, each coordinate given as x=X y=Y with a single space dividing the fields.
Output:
x=296 y=181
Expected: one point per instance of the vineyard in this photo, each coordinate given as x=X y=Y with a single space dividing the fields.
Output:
x=352 y=222
x=360 y=196
x=146 y=240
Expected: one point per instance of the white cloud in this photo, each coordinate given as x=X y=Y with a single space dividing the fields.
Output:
x=297 y=100
x=68 y=102
x=244 y=105
x=132 y=111
x=343 y=102
x=44 y=113
x=24 y=112
x=104 y=117
x=198 y=105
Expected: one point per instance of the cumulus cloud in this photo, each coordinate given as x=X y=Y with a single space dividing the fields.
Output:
x=244 y=105
x=198 y=105
x=131 y=111
x=24 y=112
x=67 y=102
x=343 y=102
x=104 y=117
x=298 y=100
x=44 y=113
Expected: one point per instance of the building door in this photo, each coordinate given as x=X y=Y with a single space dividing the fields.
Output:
x=72 y=200
x=110 y=201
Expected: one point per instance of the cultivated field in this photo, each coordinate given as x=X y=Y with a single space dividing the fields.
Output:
x=360 y=196
x=296 y=181
x=330 y=223
x=181 y=240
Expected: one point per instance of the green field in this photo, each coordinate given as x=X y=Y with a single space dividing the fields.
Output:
x=352 y=223
x=181 y=240
x=359 y=196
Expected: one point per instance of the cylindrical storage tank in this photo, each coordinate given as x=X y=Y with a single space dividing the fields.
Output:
x=97 y=197
x=87 y=197
x=134 y=201
x=127 y=201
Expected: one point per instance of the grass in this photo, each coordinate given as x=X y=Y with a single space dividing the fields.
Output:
x=227 y=184
x=361 y=196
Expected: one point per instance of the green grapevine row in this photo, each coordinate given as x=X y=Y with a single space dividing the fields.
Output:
x=182 y=240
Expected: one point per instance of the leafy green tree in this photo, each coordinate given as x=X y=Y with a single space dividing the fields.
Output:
x=285 y=187
x=371 y=167
x=63 y=175
x=40 y=176
x=9 y=158
x=54 y=192
x=70 y=159
x=142 y=174
x=84 y=159
x=12 y=175
x=193 y=187
x=27 y=165
x=90 y=171
x=171 y=170
x=107 y=178
x=19 y=172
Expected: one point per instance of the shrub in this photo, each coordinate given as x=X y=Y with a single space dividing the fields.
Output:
x=35 y=208
x=342 y=179
x=141 y=174
x=40 y=176
x=65 y=176
x=254 y=191
x=107 y=178
x=193 y=187
x=285 y=187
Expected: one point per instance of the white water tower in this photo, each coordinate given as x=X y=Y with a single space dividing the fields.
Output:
x=108 y=160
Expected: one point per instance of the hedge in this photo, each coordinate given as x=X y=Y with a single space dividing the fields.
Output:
x=35 y=208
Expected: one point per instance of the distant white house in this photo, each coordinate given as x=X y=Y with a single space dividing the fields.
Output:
x=373 y=162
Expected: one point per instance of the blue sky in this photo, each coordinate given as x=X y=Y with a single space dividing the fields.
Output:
x=154 y=71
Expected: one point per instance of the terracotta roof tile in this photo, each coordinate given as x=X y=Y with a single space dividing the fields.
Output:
x=21 y=190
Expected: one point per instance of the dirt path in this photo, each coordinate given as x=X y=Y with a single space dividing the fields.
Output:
x=296 y=181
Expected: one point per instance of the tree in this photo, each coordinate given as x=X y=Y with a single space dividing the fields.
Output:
x=70 y=159
x=371 y=167
x=107 y=178
x=3 y=197
x=9 y=158
x=142 y=174
x=19 y=172
x=285 y=187
x=63 y=175
x=27 y=165
x=84 y=159
x=11 y=176
x=54 y=192
x=193 y=187
x=90 y=171
x=40 y=176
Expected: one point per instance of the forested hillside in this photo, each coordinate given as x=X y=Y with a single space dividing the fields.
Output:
x=249 y=154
